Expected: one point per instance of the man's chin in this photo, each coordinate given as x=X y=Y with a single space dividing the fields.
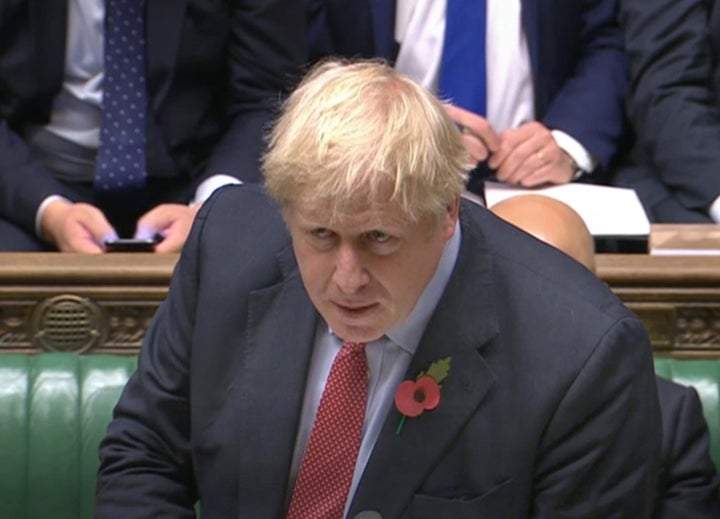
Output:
x=356 y=332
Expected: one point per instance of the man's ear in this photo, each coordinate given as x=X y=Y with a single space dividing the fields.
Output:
x=451 y=218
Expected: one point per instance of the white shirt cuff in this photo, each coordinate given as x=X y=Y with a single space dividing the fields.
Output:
x=41 y=211
x=714 y=211
x=577 y=152
x=208 y=186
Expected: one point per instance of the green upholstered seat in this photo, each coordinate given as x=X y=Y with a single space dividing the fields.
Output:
x=54 y=409
x=704 y=376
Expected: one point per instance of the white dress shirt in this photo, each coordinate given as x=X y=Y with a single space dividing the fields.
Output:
x=420 y=30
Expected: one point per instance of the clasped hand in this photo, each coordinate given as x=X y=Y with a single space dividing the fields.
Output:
x=527 y=155
x=83 y=228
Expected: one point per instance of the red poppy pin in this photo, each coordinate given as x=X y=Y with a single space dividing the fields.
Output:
x=413 y=397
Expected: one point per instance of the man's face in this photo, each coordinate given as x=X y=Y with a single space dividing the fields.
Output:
x=365 y=271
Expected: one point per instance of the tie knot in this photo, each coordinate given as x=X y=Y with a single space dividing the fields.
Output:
x=353 y=347
x=352 y=356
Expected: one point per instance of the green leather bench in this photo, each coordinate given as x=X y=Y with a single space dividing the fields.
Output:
x=704 y=376
x=55 y=407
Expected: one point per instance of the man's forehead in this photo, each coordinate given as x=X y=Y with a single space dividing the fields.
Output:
x=362 y=213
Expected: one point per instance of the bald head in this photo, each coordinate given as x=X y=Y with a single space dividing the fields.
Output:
x=551 y=221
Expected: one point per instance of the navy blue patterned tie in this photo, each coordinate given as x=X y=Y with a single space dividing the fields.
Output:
x=462 y=67
x=121 y=157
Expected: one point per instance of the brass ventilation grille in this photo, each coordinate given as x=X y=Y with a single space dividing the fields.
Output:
x=67 y=323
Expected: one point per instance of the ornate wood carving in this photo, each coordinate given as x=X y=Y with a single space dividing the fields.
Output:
x=678 y=298
x=67 y=302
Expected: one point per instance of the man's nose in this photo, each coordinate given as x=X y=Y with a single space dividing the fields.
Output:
x=350 y=274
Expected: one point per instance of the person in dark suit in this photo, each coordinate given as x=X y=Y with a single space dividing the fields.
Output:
x=535 y=384
x=556 y=78
x=674 y=108
x=688 y=486
x=213 y=72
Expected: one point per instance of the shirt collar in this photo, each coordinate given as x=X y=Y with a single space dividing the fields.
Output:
x=407 y=333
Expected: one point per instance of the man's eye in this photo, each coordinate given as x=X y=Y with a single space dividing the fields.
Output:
x=377 y=237
x=321 y=233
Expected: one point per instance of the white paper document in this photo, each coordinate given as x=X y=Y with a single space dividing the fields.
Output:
x=607 y=211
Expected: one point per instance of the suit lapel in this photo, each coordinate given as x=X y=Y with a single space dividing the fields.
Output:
x=714 y=31
x=164 y=21
x=48 y=19
x=715 y=18
x=364 y=28
x=405 y=459
x=383 y=23
x=281 y=328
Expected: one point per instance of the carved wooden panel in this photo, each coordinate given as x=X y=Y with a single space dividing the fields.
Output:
x=678 y=299
x=67 y=302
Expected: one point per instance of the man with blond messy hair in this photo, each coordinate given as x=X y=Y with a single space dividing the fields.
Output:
x=359 y=342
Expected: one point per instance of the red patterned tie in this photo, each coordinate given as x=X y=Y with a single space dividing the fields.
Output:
x=323 y=482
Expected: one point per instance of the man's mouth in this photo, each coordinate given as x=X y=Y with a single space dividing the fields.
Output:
x=354 y=308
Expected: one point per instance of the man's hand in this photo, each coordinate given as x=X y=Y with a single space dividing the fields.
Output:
x=479 y=137
x=76 y=227
x=529 y=156
x=172 y=221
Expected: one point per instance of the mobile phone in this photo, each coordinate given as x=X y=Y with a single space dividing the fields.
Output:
x=130 y=245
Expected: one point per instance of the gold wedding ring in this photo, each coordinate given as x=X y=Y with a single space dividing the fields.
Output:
x=540 y=157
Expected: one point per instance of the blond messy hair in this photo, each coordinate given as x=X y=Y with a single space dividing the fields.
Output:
x=356 y=133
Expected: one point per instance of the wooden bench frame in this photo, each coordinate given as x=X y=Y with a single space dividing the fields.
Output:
x=72 y=302
x=103 y=304
x=678 y=298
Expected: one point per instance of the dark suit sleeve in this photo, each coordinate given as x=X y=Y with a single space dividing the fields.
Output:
x=30 y=74
x=24 y=181
x=671 y=99
x=266 y=52
x=145 y=460
x=600 y=454
x=589 y=105
x=689 y=486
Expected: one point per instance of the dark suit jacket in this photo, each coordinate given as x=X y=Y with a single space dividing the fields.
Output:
x=689 y=487
x=576 y=53
x=674 y=106
x=214 y=77
x=549 y=410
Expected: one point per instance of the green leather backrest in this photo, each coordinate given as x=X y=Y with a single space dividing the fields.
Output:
x=704 y=376
x=55 y=407
x=54 y=410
